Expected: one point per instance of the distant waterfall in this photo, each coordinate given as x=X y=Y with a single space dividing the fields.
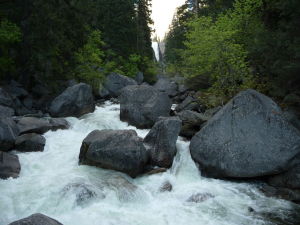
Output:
x=155 y=47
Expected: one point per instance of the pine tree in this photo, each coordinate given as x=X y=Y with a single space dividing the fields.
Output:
x=143 y=21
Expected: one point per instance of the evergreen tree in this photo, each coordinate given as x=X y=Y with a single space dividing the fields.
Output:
x=55 y=31
x=143 y=21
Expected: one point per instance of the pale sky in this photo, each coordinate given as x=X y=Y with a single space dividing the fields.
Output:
x=162 y=14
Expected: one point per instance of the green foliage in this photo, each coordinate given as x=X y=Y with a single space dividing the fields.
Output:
x=176 y=37
x=212 y=53
x=9 y=35
x=89 y=60
x=57 y=37
x=150 y=69
x=131 y=66
x=143 y=22
x=233 y=45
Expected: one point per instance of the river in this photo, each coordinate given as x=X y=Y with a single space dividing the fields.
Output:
x=50 y=181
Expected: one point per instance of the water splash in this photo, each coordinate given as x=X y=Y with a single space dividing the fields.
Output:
x=155 y=48
x=118 y=199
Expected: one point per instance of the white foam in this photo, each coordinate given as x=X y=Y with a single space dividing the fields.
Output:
x=44 y=175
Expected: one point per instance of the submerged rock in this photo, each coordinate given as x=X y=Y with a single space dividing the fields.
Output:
x=120 y=150
x=8 y=134
x=30 y=143
x=282 y=193
x=248 y=137
x=9 y=165
x=141 y=106
x=200 y=197
x=74 y=101
x=125 y=190
x=6 y=112
x=114 y=83
x=166 y=187
x=83 y=192
x=36 y=219
x=161 y=141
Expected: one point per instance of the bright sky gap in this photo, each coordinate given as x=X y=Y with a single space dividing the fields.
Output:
x=162 y=15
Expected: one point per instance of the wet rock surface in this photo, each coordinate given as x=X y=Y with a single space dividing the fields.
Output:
x=83 y=193
x=36 y=219
x=167 y=86
x=8 y=134
x=30 y=143
x=9 y=165
x=161 y=141
x=142 y=105
x=200 y=197
x=191 y=122
x=248 y=137
x=166 y=187
x=75 y=101
x=120 y=150
x=116 y=82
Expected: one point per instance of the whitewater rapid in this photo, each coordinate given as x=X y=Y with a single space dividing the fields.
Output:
x=155 y=48
x=118 y=199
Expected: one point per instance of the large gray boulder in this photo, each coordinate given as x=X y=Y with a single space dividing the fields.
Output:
x=161 y=141
x=191 y=122
x=5 y=98
x=248 y=137
x=167 y=86
x=291 y=116
x=8 y=133
x=36 y=219
x=190 y=103
x=30 y=143
x=59 y=124
x=120 y=150
x=16 y=90
x=74 y=101
x=6 y=111
x=139 y=78
x=33 y=125
x=41 y=125
x=115 y=82
x=141 y=105
x=9 y=165
x=288 y=179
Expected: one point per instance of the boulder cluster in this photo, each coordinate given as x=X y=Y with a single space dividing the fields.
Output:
x=248 y=138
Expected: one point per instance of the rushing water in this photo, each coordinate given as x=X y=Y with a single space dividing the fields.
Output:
x=155 y=48
x=46 y=179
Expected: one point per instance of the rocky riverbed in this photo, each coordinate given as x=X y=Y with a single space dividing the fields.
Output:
x=130 y=160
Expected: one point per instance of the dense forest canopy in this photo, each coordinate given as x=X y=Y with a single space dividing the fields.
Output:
x=222 y=46
x=82 y=39
x=229 y=45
